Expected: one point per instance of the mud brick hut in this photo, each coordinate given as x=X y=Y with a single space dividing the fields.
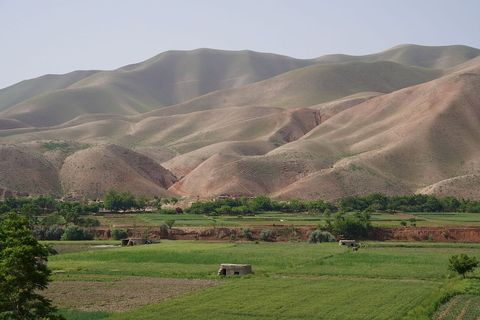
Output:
x=229 y=269
x=134 y=242
x=348 y=243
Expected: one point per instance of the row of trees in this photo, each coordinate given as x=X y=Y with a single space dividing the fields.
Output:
x=372 y=202
x=51 y=219
x=124 y=201
x=234 y=206
x=409 y=203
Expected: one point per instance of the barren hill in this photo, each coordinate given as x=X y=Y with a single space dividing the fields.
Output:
x=169 y=78
x=210 y=122
x=439 y=57
x=314 y=85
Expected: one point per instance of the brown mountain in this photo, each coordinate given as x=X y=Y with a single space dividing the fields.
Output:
x=209 y=122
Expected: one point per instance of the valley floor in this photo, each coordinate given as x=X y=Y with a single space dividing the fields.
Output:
x=177 y=280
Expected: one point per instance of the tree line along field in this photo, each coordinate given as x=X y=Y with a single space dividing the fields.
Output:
x=72 y=220
x=291 y=280
x=423 y=219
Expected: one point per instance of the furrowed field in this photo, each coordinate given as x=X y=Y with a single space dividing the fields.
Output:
x=177 y=280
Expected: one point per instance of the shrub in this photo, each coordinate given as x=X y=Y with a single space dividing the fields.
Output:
x=76 y=233
x=167 y=211
x=118 y=234
x=53 y=219
x=320 y=236
x=248 y=234
x=403 y=223
x=88 y=222
x=164 y=231
x=352 y=225
x=462 y=264
x=267 y=235
x=48 y=232
x=54 y=233
x=170 y=223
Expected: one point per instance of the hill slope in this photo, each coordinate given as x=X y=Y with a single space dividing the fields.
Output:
x=29 y=88
x=396 y=143
x=313 y=85
x=323 y=130
x=169 y=78
x=439 y=57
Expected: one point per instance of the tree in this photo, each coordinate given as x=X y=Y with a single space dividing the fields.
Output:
x=23 y=272
x=141 y=203
x=353 y=226
x=119 y=234
x=462 y=264
x=74 y=232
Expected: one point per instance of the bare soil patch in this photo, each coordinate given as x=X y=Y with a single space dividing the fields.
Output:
x=120 y=295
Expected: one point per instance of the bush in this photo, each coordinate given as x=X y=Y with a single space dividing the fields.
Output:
x=76 y=233
x=462 y=264
x=170 y=223
x=248 y=234
x=167 y=211
x=119 y=234
x=351 y=225
x=88 y=222
x=54 y=233
x=164 y=231
x=320 y=236
x=53 y=219
x=267 y=235
x=48 y=233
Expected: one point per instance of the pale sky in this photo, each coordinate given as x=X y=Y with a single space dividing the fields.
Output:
x=58 y=36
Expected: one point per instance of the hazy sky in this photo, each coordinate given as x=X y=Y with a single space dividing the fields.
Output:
x=58 y=36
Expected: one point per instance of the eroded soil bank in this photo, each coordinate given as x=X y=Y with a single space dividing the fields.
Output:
x=290 y=233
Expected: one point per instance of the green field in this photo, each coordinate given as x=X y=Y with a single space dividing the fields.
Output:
x=291 y=280
x=272 y=218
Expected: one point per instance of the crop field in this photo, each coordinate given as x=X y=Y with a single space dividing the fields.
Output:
x=177 y=280
x=465 y=307
x=272 y=218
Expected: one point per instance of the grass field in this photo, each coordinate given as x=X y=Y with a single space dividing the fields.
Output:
x=272 y=218
x=291 y=280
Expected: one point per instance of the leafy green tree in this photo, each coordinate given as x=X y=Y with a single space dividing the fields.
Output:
x=260 y=203
x=116 y=201
x=23 y=273
x=157 y=203
x=73 y=232
x=141 y=203
x=119 y=234
x=353 y=226
x=112 y=200
x=462 y=264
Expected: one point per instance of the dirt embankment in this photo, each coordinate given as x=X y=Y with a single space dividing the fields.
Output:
x=290 y=233
x=437 y=234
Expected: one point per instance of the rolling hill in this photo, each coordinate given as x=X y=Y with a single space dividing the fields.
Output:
x=169 y=78
x=210 y=122
x=438 y=57
x=314 y=85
